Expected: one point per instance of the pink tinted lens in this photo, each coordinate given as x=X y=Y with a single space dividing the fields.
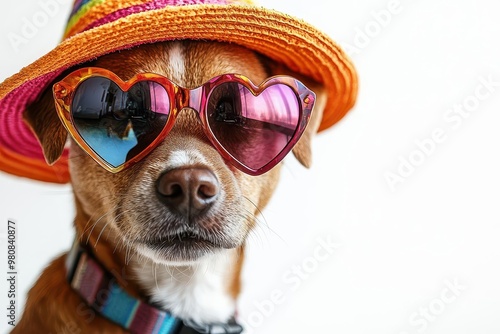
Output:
x=253 y=129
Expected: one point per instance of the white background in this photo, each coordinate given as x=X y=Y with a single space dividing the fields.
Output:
x=397 y=248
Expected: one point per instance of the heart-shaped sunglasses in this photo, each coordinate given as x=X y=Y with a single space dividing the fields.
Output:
x=119 y=122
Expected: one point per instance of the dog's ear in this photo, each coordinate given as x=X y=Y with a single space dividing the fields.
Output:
x=42 y=117
x=303 y=149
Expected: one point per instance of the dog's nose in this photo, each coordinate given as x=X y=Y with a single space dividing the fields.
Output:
x=188 y=191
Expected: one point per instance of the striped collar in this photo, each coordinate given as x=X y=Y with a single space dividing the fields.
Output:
x=101 y=291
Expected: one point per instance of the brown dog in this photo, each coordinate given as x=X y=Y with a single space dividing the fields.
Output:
x=121 y=218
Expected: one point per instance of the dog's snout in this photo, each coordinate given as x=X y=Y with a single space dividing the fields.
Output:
x=188 y=191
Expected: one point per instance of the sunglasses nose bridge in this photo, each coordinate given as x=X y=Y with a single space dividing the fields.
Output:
x=189 y=98
x=194 y=101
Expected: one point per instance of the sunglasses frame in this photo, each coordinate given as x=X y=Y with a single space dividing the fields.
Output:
x=180 y=98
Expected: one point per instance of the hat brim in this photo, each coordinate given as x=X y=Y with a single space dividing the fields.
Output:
x=283 y=38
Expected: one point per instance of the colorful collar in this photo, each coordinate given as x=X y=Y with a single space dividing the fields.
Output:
x=101 y=291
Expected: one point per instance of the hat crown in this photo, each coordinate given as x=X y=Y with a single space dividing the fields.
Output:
x=88 y=14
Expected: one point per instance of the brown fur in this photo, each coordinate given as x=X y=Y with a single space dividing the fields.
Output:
x=52 y=306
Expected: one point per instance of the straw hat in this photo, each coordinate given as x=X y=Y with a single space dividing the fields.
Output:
x=98 y=27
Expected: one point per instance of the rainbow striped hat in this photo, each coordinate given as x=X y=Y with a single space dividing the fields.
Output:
x=98 y=27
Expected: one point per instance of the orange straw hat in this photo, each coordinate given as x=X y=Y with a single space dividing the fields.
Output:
x=98 y=27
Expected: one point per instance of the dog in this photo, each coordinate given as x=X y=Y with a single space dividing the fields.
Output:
x=123 y=219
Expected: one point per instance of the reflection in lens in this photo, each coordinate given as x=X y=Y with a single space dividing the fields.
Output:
x=253 y=129
x=118 y=125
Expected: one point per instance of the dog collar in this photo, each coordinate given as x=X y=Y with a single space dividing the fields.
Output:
x=101 y=291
